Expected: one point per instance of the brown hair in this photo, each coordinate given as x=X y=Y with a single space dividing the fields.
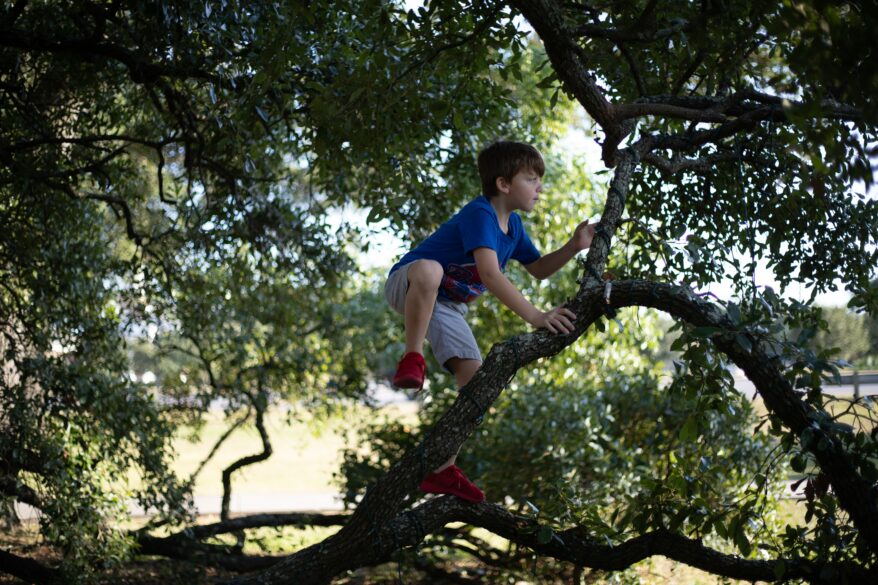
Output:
x=504 y=158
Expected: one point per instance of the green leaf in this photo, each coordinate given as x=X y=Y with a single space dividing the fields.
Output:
x=742 y=542
x=547 y=81
x=689 y=431
x=705 y=331
x=554 y=99
x=734 y=313
x=545 y=534
x=744 y=342
x=807 y=437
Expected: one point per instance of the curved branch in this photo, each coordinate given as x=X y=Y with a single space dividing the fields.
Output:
x=578 y=546
x=636 y=110
x=140 y=69
x=703 y=165
x=186 y=544
x=214 y=555
x=264 y=521
x=259 y=404
x=28 y=570
x=631 y=36
x=569 y=61
x=219 y=443
x=117 y=204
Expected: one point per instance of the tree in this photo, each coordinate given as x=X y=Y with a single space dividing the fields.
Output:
x=147 y=147
x=701 y=94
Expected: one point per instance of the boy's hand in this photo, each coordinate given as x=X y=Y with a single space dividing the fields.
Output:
x=583 y=235
x=558 y=320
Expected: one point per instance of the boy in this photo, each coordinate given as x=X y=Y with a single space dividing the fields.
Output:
x=431 y=284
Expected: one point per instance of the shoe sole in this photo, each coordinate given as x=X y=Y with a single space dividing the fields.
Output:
x=408 y=383
x=471 y=501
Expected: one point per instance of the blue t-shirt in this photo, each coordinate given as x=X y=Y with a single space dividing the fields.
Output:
x=452 y=245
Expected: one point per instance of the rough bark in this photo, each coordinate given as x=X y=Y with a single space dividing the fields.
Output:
x=28 y=570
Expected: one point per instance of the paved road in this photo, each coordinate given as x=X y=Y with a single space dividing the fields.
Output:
x=243 y=504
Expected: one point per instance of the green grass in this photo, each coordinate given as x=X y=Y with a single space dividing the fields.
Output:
x=303 y=459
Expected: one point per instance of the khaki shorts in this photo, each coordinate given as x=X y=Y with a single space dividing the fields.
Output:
x=448 y=333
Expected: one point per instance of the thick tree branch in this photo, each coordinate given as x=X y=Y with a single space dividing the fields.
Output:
x=186 y=544
x=703 y=165
x=754 y=105
x=633 y=35
x=141 y=69
x=636 y=110
x=214 y=555
x=28 y=570
x=10 y=487
x=117 y=204
x=578 y=546
x=260 y=521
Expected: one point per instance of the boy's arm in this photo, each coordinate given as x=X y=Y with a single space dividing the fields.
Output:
x=551 y=263
x=558 y=320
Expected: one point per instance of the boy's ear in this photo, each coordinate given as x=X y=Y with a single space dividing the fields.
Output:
x=502 y=184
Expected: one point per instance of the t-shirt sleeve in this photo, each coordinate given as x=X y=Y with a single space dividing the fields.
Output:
x=476 y=230
x=525 y=251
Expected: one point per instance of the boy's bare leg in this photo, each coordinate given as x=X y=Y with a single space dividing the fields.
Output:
x=463 y=373
x=424 y=277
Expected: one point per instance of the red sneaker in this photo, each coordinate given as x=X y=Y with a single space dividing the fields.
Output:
x=411 y=371
x=451 y=480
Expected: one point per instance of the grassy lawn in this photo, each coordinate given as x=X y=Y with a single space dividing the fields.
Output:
x=303 y=458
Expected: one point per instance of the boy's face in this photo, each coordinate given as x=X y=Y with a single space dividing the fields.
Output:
x=523 y=191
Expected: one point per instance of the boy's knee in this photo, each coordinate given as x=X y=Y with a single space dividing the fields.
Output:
x=426 y=272
x=463 y=369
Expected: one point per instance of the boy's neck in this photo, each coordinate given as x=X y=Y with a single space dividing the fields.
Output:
x=502 y=210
